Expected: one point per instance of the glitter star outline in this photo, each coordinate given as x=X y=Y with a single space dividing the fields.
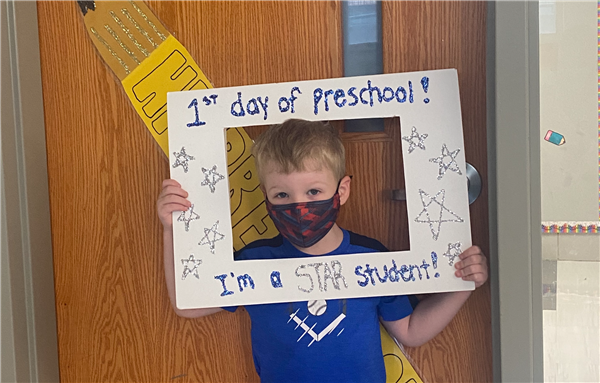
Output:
x=181 y=159
x=454 y=250
x=426 y=205
x=444 y=167
x=411 y=140
x=192 y=217
x=216 y=236
x=187 y=270
x=216 y=177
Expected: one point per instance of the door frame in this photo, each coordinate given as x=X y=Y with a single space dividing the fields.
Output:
x=29 y=339
x=28 y=312
x=515 y=190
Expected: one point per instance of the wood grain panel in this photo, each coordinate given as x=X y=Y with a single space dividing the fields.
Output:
x=363 y=211
x=114 y=319
x=115 y=322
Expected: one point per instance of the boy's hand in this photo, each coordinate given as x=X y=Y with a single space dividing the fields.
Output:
x=472 y=266
x=172 y=198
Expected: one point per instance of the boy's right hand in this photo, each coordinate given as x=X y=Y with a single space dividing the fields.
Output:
x=172 y=198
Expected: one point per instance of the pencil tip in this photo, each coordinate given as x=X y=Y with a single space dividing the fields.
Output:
x=86 y=5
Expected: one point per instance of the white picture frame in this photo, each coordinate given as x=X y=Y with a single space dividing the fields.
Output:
x=428 y=105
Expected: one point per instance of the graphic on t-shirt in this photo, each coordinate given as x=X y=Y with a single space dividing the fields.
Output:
x=431 y=215
x=315 y=309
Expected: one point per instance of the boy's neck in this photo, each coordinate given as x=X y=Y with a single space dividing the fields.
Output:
x=327 y=244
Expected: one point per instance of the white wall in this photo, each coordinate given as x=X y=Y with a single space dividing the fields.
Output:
x=569 y=105
x=569 y=175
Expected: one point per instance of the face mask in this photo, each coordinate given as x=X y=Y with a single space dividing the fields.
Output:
x=305 y=223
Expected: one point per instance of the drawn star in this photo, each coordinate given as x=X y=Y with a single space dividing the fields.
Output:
x=181 y=159
x=447 y=161
x=211 y=236
x=211 y=177
x=188 y=216
x=436 y=216
x=453 y=252
x=190 y=266
x=415 y=140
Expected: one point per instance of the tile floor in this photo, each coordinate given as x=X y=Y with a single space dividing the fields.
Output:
x=571 y=307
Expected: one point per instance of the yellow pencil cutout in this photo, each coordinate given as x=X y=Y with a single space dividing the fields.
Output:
x=150 y=62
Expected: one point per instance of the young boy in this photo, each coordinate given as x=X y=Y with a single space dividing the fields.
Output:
x=301 y=166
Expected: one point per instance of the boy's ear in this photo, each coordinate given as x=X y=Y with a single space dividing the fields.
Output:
x=344 y=189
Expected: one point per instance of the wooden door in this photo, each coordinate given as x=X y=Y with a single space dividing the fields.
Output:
x=115 y=322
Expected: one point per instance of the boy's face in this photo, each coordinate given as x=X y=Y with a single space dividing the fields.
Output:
x=314 y=184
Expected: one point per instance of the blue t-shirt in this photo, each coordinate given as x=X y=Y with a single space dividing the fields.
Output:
x=320 y=341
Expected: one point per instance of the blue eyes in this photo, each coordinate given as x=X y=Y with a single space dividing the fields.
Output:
x=311 y=192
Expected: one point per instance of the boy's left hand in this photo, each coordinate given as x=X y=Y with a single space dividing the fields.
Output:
x=472 y=266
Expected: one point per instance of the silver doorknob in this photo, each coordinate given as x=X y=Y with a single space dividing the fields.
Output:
x=473 y=183
x=473 y=186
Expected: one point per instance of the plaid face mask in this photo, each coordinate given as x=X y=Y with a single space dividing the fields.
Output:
x=305 y=223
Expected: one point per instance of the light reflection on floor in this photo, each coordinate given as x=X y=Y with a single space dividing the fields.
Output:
x=572 y=328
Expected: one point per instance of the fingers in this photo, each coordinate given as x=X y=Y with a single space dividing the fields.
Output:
x=471 y=256
x=170 y=186
x=172 y=193
x=173 y=202
x=473 y=250
x=173 y=190
x=472 y=266
x=170 y=182
x=172 y=198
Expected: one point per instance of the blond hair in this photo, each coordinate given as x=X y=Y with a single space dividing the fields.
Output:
x=293 y=144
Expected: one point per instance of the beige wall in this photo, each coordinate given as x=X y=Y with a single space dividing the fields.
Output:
x=569 y=176
x=568 y=89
